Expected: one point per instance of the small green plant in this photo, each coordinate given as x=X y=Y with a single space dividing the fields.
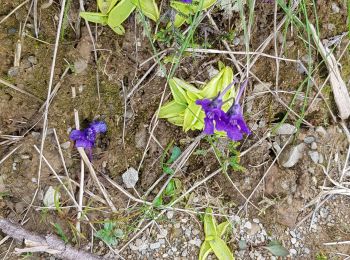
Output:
x=60 y=232
x=185 y=11
x=175 y=153
x=183 y=110
x=213 y=241
x=109 y=234
x=114 y=12
x=321 y=256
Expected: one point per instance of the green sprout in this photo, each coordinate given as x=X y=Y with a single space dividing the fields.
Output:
x=109 y=234
x=183 y=110
x=213 y=242
x=114 y=12
x=185 y=11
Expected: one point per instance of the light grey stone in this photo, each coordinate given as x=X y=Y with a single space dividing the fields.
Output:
x=286 y=129
x=130 y=177
x=293 y=155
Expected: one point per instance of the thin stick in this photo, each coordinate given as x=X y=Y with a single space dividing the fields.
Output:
x=13 y=11
x=9 y=154
x=8 y=84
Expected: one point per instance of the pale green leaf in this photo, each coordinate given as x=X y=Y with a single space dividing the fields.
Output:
x=94 y=17
x=176 y=120
x=221 y=250
x=106 y=5
x=208 y=3
x=212 y=88
x=171 y=109
x=227 y=79
x=191 y=116
x=119 y=29
x=183 y=8
x=183 y=84
x=148 y=7
x=193 y=96
x=119 y=14
x=222 y=227
x=277 y=249
x=179 y=93
x=210 y=228
x=205 y=250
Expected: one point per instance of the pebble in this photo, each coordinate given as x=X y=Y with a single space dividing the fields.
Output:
x=197 y=242
x=130 y=177
x=314 y=156
x=65 y=145
x=309 y=139
x=292 y=233
x=293 y=251
x=170 y=214
x=293 y=155
x=154 y=245
x=313 y=146
x=32 y=59
x=80 y=66
x=306 y=250
x=13 y=72
x=248 y=225
x=286 y=129
x=256 y=220
x=335 y=7
x=293 y=240
x=138 y=242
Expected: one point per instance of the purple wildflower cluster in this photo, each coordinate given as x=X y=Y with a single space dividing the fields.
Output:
x=86 y=138
x=232 y=122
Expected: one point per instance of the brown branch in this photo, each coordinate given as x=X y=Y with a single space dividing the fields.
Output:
x=50 y=243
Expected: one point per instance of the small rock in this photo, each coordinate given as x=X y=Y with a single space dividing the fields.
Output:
x=292 y=233
x=32 y=59
x=133 y=247
x=65 y=145
x=314 y=156
x=50 y=196
x=197 y=242
x=321 y=159
x=138 y=242
x=80 y=66
x=293 y=240
x=291 y=156
x=154 y=246
x=293 y=251
x=170 y=214
x=313 y=146
x=130 y=178
x=195 y=232
x=13 y=72
x=335 y=8
x=306 y=250
x=248 y=225
x=256 y=220
x=309 y=139
x=321 y=130
x=162 y=233
x=286 y=129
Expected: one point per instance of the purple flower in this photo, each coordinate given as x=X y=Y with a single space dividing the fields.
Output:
x=235 y=126
x=187 y=1
x=213 y=113
x=86 y=138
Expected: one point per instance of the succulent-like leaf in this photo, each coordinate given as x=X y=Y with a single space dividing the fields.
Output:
x=171 y=109
x=179 y=94
x=94 y=17
x=222 y=227
x=176 y=120
x=204 y=251
x=148 y=7
x=106 y=5
x=210 y=228
x=221 y=250
x=191 y=116
x=119 y=14
x=183 y=84
x=213 y=87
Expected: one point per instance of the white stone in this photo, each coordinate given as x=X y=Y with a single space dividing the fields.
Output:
x=248 y=225
x=314 y=156
x=154 y=246
x=294 y=155
x=65 y=145
x=130 y=178
x=293 y=240
x=50 y=196
x=286 y=129
x=293 y=251
x=170 y=214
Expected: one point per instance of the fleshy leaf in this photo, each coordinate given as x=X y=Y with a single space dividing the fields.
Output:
x=176 y=120
x=183 y=84
x=221 y=250
x=227 y=78
x=148 y=7
x=212 y=87
x=106 y=5
x=222 y=227
x=191 y=116
x=95 y=17
x=210 y=228
x=205 y=250
x=277 y=249
x=171 y=109
x=179 y=93
x=119 y=14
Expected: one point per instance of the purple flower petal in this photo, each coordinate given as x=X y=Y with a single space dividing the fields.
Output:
x=99 y=126
x=84 y=143
x=234 y=133
x=76 y=134
x=208 y=126
x=187 y=1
